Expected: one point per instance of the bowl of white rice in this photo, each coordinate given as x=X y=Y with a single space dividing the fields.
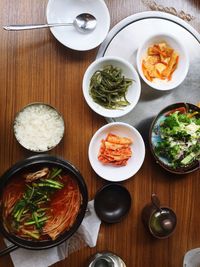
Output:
x=39 y=127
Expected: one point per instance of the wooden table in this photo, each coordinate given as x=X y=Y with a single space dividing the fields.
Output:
x=35 y=67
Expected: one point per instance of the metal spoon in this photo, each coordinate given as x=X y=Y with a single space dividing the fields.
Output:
x=156 y=202
x=166 y=224
x=84 y=23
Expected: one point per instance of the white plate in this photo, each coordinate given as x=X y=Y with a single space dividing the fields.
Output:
x=66 y=11
x=123 y=41
x=112 y=173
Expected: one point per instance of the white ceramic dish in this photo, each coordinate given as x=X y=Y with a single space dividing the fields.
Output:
x=66 y=10
x=133 y=93
x=112 y=173
x=183 y=64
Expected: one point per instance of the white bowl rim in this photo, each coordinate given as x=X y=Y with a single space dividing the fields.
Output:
x=186 y=68
x=105 y=112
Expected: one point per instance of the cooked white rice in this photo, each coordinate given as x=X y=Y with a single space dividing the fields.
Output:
x=39 y=127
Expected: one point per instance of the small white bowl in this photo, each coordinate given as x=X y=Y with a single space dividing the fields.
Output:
x=183 y=65
x=133 y=93
x=59 y=11
x=114 y=173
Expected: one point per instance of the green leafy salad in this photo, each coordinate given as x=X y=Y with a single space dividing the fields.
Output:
x=180 y=138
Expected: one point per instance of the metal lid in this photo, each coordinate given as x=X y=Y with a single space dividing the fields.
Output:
x=106 y=259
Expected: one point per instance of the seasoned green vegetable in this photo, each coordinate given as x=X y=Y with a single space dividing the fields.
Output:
x=108 y=87
x=29 y=209
x=180 y=138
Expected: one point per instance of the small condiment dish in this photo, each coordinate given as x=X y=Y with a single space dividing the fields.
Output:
x=128 y=71
x=117 y=173
x=38 y=127
x=112 y=203
x=180 y=72
x=155 y=137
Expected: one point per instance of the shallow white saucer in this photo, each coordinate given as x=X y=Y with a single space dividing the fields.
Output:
x=66 y=11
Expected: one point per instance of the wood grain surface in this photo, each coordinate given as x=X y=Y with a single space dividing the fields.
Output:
x=35 y=67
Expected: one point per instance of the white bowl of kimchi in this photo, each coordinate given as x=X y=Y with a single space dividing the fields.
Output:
x=116 y=151
x=162 y=61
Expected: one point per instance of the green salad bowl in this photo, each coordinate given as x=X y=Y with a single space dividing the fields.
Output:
x=174 y=138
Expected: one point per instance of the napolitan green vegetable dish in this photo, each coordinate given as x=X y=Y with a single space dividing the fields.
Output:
x=108 y=87
x=179 y=137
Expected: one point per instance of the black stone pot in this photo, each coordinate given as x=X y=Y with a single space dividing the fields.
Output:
x=29 y=164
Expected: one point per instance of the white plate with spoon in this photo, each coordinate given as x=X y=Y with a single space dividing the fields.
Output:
x=59 y=11
x=79 y=25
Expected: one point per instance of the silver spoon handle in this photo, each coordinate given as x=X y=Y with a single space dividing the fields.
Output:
x=34 y=26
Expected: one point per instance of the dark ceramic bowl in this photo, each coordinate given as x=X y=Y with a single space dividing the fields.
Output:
x=154 y=137
x=112 y=203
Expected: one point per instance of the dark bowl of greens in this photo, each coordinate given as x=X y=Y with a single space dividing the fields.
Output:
x=43 y=200
x=175 y=138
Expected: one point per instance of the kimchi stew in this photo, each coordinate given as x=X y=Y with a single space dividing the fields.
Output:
x=40 y=205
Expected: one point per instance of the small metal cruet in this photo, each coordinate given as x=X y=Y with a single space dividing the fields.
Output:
x=106 y=259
